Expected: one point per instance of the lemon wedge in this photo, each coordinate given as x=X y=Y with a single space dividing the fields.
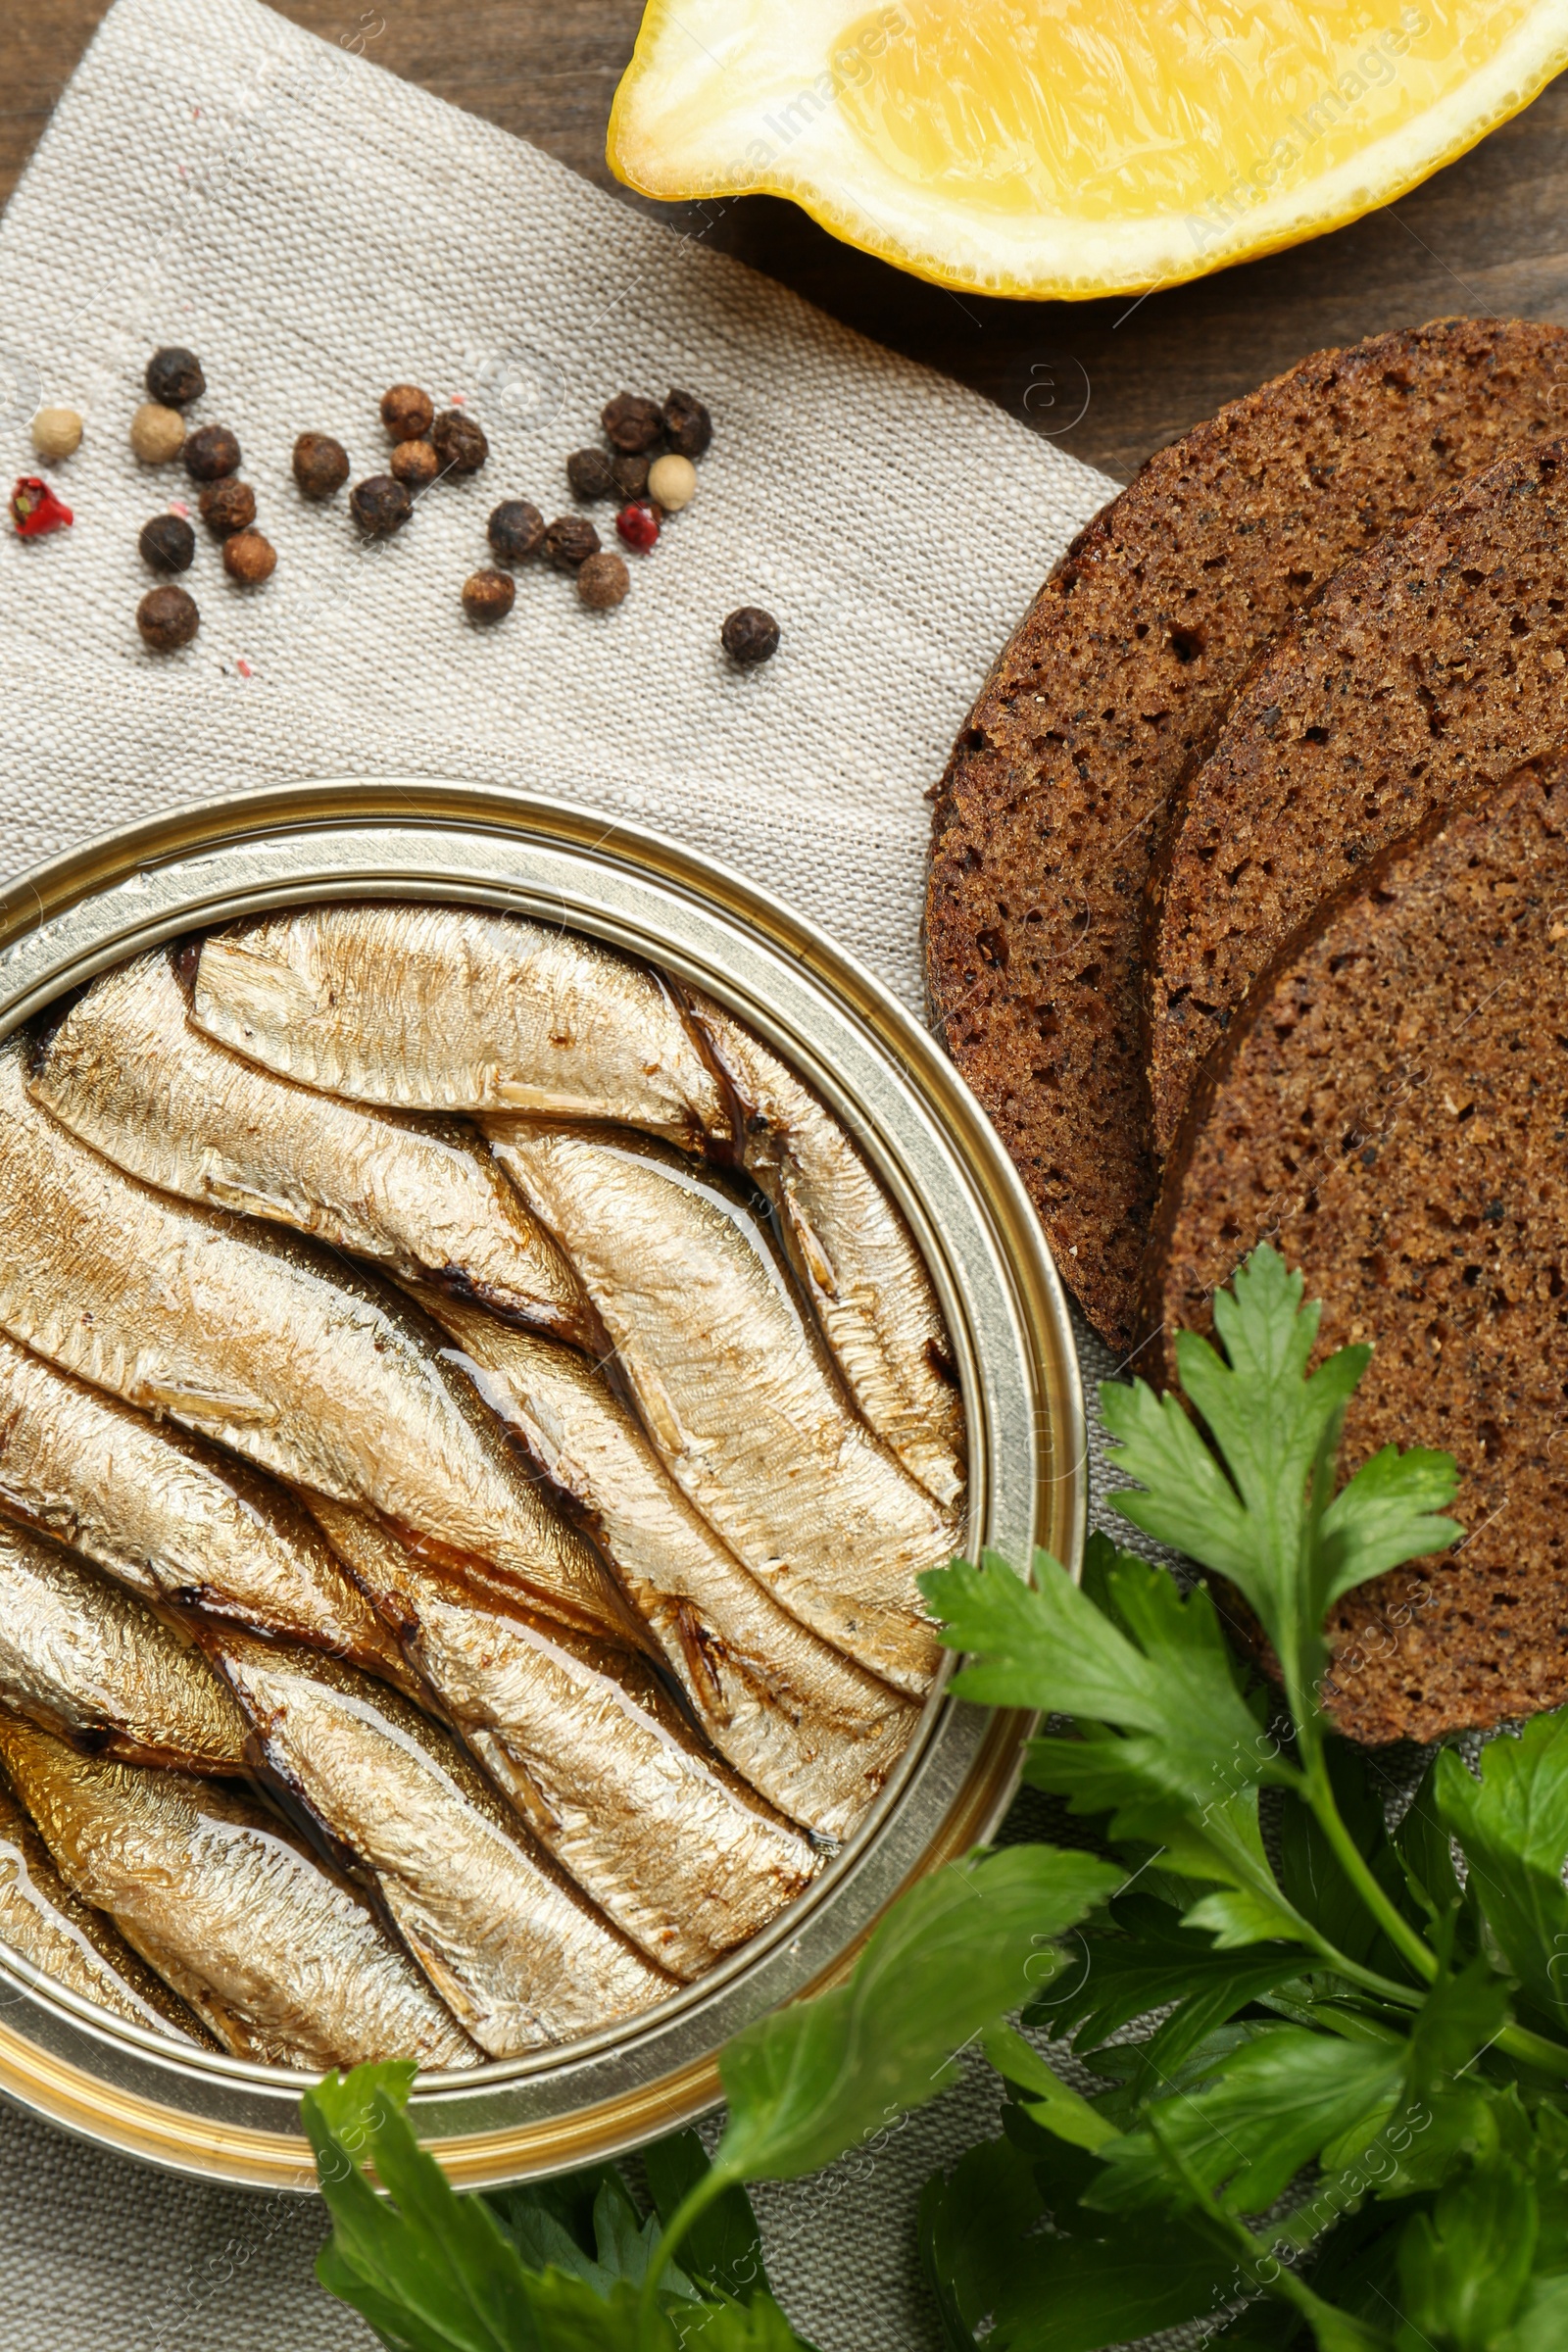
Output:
x=1069 y=148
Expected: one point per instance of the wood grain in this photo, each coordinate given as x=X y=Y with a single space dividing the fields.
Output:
x=1488 y=234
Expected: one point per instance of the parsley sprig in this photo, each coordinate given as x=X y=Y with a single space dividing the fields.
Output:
x=1349 y=2128
x=1341 y=2117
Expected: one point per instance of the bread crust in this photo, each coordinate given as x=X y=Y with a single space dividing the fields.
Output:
x=1434 y=661
x=1390 y=1109
x=1113 y=685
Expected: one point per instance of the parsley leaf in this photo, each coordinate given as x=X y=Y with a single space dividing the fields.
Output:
x=1164 y=1741
x=1513 y=1825
x=1260 y=1510
x=1269 y=2107
x=435 y=2272
x=1114 y=2278
x=723 y=2249
x=953 y=1955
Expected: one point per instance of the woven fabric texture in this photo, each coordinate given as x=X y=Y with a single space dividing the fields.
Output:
x=317 y=229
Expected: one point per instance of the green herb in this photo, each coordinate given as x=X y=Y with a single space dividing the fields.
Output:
x=572 y=2266
x=1350 y=2130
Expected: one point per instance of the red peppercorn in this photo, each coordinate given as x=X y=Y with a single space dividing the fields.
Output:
x=34 y=508
x=638 y=525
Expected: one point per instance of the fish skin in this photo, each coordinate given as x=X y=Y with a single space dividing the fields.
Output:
x=516 y=1954
x=852 y=1252
x=814 y=1732
x=173 y=1517
x=450 y=1007
x=308 y=1366
x=735 y=1389
x=278 y=1956
x=455 y=1009
x=44 y=1927
x=594 y=1758
x=126 y=1071
x=87 y=1659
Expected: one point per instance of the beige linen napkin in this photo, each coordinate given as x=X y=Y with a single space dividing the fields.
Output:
x=316 y=230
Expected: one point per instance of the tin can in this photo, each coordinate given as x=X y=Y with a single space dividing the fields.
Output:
x=221 y=2118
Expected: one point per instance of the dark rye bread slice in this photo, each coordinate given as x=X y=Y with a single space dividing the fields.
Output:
x=1436 y=663
x=1117 y=677
x=1391 y=1110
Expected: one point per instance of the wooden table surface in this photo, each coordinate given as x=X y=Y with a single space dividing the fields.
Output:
x=1489 y=234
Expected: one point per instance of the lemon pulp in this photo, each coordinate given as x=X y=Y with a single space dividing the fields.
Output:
x=1071 y=146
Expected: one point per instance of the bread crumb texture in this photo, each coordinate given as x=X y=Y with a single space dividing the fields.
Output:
x=1391 y=1109
x=1054 y=801
x=1439 y=660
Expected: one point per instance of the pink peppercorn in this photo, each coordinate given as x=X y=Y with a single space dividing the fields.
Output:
x=638 y=525
x=34 y=508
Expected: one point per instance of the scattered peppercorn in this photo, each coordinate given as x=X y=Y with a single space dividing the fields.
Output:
x=588 y=471
x=320 y=464
x=688 y=424
x=56 y=434
x=632 y=424
x=380 y=505
x=749 y=635
x=175 y=377
x=407 y=413
x=673 y=483
x=569 y=541
x=228 y=505
x=459 y=441
x=36 y=509
x=488 y=595
x=167 y=543
x=630 y=476
x=638 y=525
x=210 y=453
x=167 y=619
x=157 y=434
x=414 y=464
x=602 y=581
x=249 y=558
x=516 y=531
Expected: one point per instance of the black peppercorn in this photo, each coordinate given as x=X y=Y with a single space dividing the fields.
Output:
x=249 y=558
x=631 y=423
x=630 y=476
x=458 y=442
x=688 y=424
x=749 y=635
x=569 y=541
x=320 y=464
x=167 y=543
x=380 y=505
x=588 y=472
x=488 y=595
x=405 y=411
x=228 y=505
x=415 y=463
x=175 y=377
x=516 y=531
x=167 y=619
x=211 y=453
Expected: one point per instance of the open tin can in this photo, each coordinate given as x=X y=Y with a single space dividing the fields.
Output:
x=222 y=2118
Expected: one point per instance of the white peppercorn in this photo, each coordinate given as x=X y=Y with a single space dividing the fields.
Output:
x=673 y=483
x=56 y=434
x=157 y=434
